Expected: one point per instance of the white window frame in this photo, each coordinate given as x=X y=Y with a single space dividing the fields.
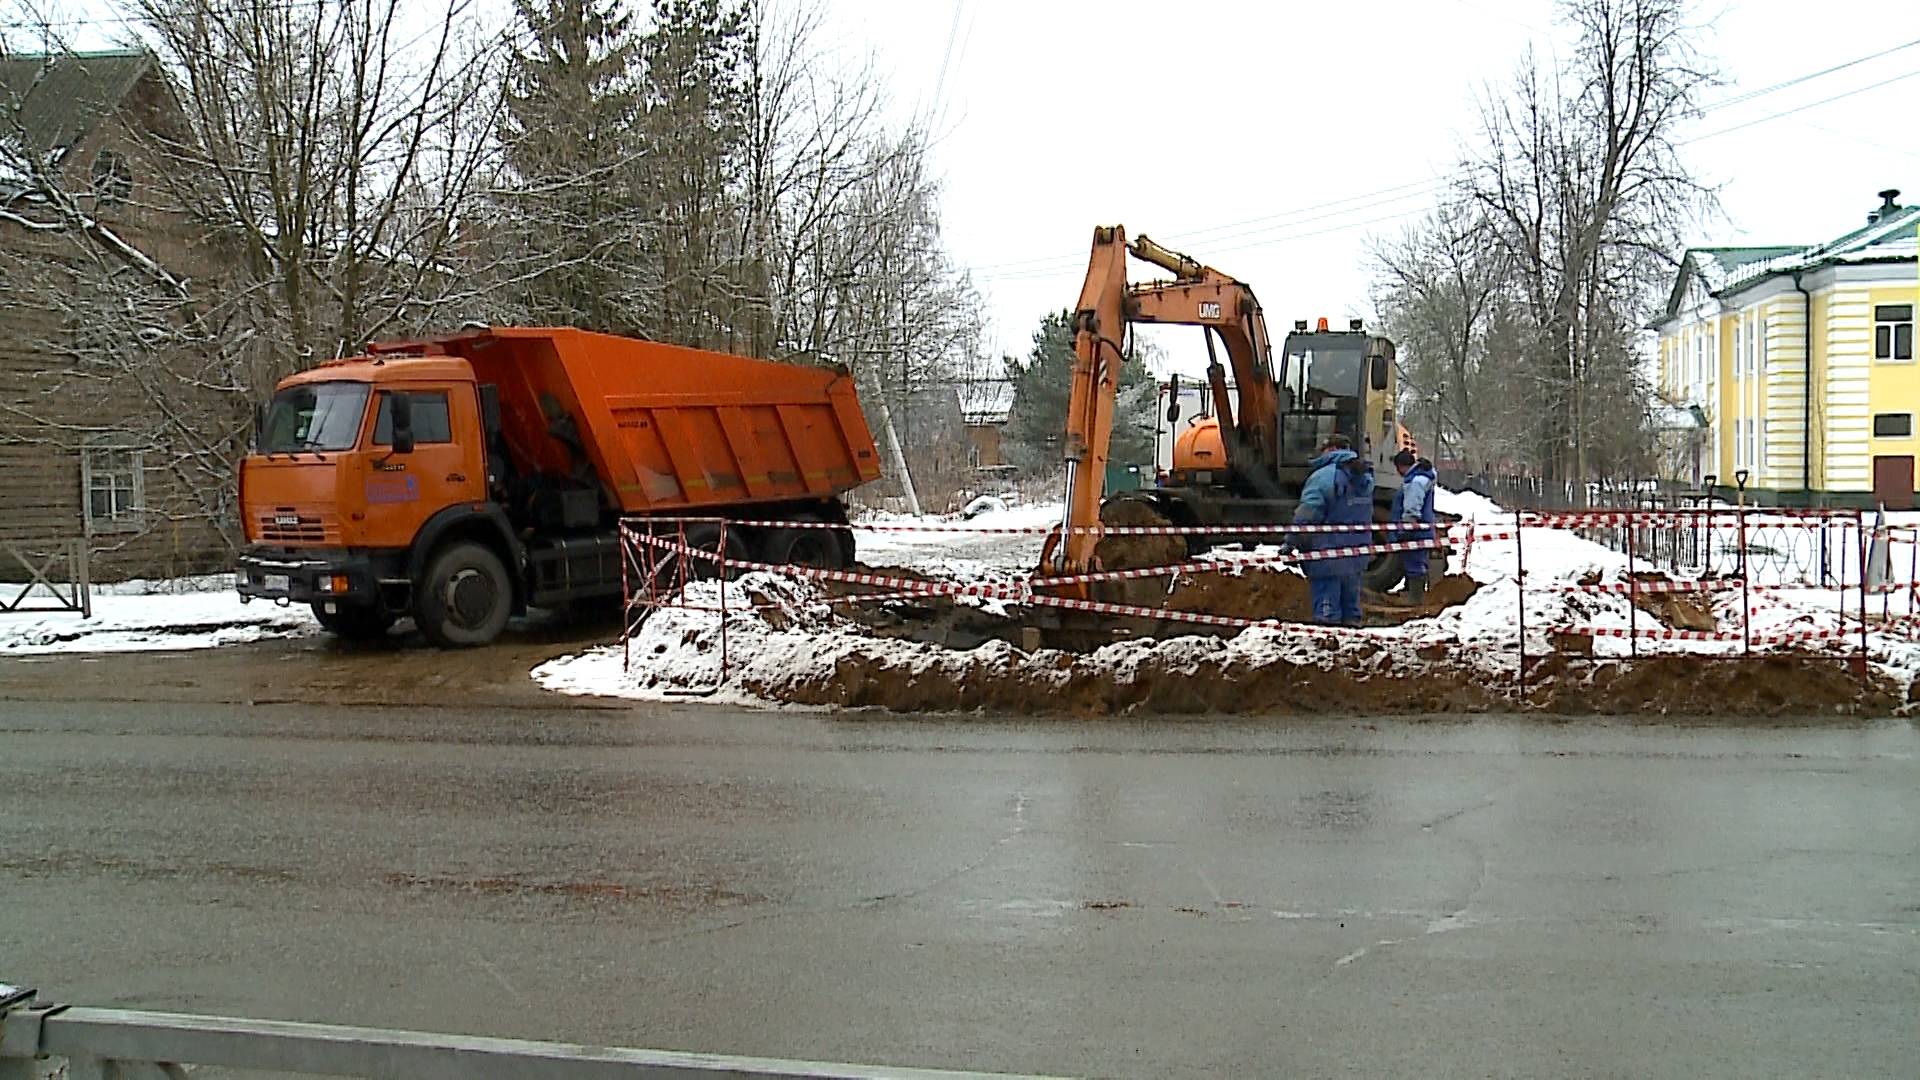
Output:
x=125 y=482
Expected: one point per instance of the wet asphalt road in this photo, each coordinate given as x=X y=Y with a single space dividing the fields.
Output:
x=1502 y=898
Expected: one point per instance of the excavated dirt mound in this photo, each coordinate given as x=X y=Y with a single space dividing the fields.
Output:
x=1678 y=611
x=1244 y=593
x=1251 y=594
x=1711 y=686
x=1363 y=681
x=1136 y=552
x=1069 y=684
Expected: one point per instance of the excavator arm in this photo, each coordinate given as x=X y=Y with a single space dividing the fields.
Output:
x=1198 y=295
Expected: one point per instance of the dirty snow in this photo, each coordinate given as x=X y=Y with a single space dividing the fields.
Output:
x=137 y=616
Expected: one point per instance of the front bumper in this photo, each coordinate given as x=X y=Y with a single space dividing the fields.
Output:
x=304 y=577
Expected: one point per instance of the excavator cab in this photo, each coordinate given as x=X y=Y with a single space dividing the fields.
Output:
x=1336 y=382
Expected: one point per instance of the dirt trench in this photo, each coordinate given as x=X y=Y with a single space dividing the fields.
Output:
x=1252 y=592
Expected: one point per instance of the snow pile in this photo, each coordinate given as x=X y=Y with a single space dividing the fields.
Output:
x=138 y=616
x=1466 y=505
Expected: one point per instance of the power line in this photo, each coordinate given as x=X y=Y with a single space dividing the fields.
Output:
x=1799 y=108
x=1763 y=91
x=1365 y=201
x=1261 y=236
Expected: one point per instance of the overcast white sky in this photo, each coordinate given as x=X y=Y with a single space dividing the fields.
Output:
x=1233 y=131
x=1272 y=139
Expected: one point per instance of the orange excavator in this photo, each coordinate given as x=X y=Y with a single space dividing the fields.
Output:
x=1245 y=464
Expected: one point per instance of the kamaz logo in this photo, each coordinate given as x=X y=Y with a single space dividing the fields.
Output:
x=1210 y=309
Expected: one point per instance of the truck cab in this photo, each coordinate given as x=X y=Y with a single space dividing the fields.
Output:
x=355 y=463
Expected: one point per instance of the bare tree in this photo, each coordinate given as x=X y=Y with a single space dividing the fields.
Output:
x=1579 y=178
x=1441 y=288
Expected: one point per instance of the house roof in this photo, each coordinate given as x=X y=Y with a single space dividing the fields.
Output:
x=58 y=100
x=987 y=401
x=1887 y=237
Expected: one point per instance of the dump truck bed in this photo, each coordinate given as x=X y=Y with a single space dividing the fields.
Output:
x=668 y=428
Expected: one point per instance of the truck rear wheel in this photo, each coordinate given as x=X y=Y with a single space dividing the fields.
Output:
x=465 y=598
x=818 y=548
x=352 y=622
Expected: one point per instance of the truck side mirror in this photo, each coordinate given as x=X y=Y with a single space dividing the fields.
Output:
x=402 y=410
x=1173 y=399
x=1379 y=373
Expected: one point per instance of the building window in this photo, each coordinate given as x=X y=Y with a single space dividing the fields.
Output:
x=1893 y=425
x=112 y=178
x=1893 y=332
x=113 y=482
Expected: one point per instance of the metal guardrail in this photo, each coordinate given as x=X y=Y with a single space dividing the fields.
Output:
x=72 y=595
x=38 y=1041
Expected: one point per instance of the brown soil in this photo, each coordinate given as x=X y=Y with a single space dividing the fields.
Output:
x=1362 y=680
x=1365 y=681
x=1134 y=552
x=1677 y=611
x=1782 y=685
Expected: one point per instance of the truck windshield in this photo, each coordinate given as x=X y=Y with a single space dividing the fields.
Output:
x=314 y=416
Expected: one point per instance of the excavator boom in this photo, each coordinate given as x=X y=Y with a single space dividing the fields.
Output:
x=1198 y=295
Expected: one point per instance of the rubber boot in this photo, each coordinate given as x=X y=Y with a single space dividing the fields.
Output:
x=1417 y=590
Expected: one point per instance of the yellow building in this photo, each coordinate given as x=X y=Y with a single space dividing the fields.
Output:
x=1800 y=362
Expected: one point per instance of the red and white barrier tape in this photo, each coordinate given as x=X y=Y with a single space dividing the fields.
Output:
x=1728 y=516
x=1663 y=634
x=1643 y=588
x=1021 y=593
x=1223 y=566
x=961 y=528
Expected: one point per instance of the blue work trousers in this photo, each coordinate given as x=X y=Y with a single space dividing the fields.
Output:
x=1336 y=598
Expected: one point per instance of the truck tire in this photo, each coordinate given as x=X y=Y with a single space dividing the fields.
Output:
x=353 y=622
x=818 y=548
x=465 y=597
x=671 y=571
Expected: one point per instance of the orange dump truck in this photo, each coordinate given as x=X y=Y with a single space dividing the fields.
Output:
x=462 y=479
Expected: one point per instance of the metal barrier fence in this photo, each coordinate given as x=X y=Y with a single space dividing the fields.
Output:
x=1709 y=582
x=1817 y=558
x=42 y=1041
x=42 y=591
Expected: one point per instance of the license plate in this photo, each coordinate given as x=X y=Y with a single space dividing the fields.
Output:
x=274 y=582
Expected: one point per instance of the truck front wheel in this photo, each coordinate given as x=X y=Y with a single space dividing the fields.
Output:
x=465 y=597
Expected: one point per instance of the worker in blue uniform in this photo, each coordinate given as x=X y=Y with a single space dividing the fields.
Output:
x=1413 y=512
x=1339 y=491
